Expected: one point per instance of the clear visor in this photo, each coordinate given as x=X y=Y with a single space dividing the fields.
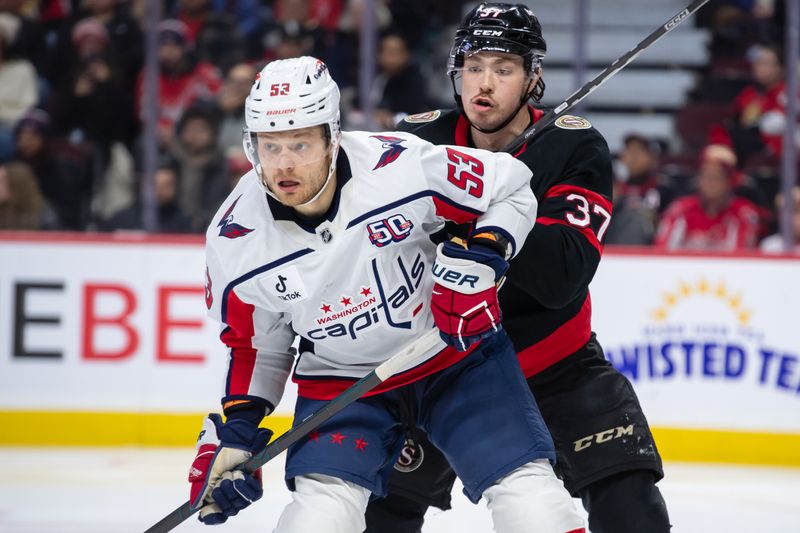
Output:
x=289 y=149
x=466 y=47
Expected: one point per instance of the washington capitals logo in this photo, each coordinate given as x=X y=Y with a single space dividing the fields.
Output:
x=393 y=150
x=228 y=228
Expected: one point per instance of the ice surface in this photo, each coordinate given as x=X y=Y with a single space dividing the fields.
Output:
x=46 y=490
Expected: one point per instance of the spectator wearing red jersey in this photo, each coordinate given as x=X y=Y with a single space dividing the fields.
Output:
x=182 y=80
x=713 y=218
x=760 y=108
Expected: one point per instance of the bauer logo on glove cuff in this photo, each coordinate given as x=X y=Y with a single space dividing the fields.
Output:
x=453 y=277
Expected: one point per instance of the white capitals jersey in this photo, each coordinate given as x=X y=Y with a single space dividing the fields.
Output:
x=356 y=287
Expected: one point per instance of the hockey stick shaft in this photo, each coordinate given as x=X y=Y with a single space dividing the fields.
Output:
x=604 y=76
x=384 y=371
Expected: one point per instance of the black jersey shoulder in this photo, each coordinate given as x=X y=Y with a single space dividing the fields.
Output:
x=559 y=154
x=437 y=127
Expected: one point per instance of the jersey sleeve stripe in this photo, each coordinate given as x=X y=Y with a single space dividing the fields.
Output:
x=587 y=232
x=453 y=211
x=238 y=336
x=565 y=340
x=591 y=196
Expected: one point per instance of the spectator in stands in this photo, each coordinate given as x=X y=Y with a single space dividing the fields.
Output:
x=182 y=80
x=22 y=206
x=63 y=180
x=18 y=86
x=214 y=35
x=250 y=16
x=285 y=42
x=202 y=166
x=759 y=113
x=230 y=104
x=92 y=103
x=339 y=50
x=733 y=30
x=640 y=161
x=640 y=192
x=774 y=243
x=125 y=47
x=171 y=219
x=402 y=90
x=399 y=88
x=296 y=31
x=30 y=42
x=713 y=218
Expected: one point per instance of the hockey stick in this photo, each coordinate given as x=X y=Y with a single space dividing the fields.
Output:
x=620 y=63
x=381 y=373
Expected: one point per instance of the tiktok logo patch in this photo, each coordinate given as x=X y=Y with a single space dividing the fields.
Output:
x=286 y=285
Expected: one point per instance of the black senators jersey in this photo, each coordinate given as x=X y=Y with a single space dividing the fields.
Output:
x=545 y=301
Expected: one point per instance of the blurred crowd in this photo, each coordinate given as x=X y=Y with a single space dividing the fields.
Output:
x=717 y=188
x=72 y=101
x=72 y=97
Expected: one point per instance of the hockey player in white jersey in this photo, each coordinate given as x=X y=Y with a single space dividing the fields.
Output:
x=328 y=239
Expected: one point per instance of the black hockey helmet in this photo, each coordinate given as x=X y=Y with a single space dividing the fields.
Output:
x=498 y=27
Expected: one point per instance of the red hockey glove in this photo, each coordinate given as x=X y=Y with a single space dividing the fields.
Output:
x=464 y=301
x=218 y=488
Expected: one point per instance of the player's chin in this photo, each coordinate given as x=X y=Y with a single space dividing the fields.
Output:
x=484 y=122
x=291 y=199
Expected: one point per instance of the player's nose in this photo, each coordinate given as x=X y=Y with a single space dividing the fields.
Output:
x=487 y=83
x=286 y=161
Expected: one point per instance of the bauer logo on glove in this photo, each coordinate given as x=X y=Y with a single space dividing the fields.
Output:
x=464 y=300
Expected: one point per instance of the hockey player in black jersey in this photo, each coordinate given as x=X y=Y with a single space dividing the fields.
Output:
x=606 y=452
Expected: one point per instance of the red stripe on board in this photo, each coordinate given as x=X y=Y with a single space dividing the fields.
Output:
x=327 y=389
x=451 y=212
x=564 y=341
x=657 y=251
x=592 y=196
x=57 y=237
x=587 y=232
x=239 y=338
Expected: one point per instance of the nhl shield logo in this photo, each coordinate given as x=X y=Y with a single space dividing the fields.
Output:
x=326 y=235
x=411 y=457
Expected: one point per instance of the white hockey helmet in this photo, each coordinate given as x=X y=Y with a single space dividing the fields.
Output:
x=291 y=94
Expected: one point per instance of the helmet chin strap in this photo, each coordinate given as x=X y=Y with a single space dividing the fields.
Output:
x=331 y=170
